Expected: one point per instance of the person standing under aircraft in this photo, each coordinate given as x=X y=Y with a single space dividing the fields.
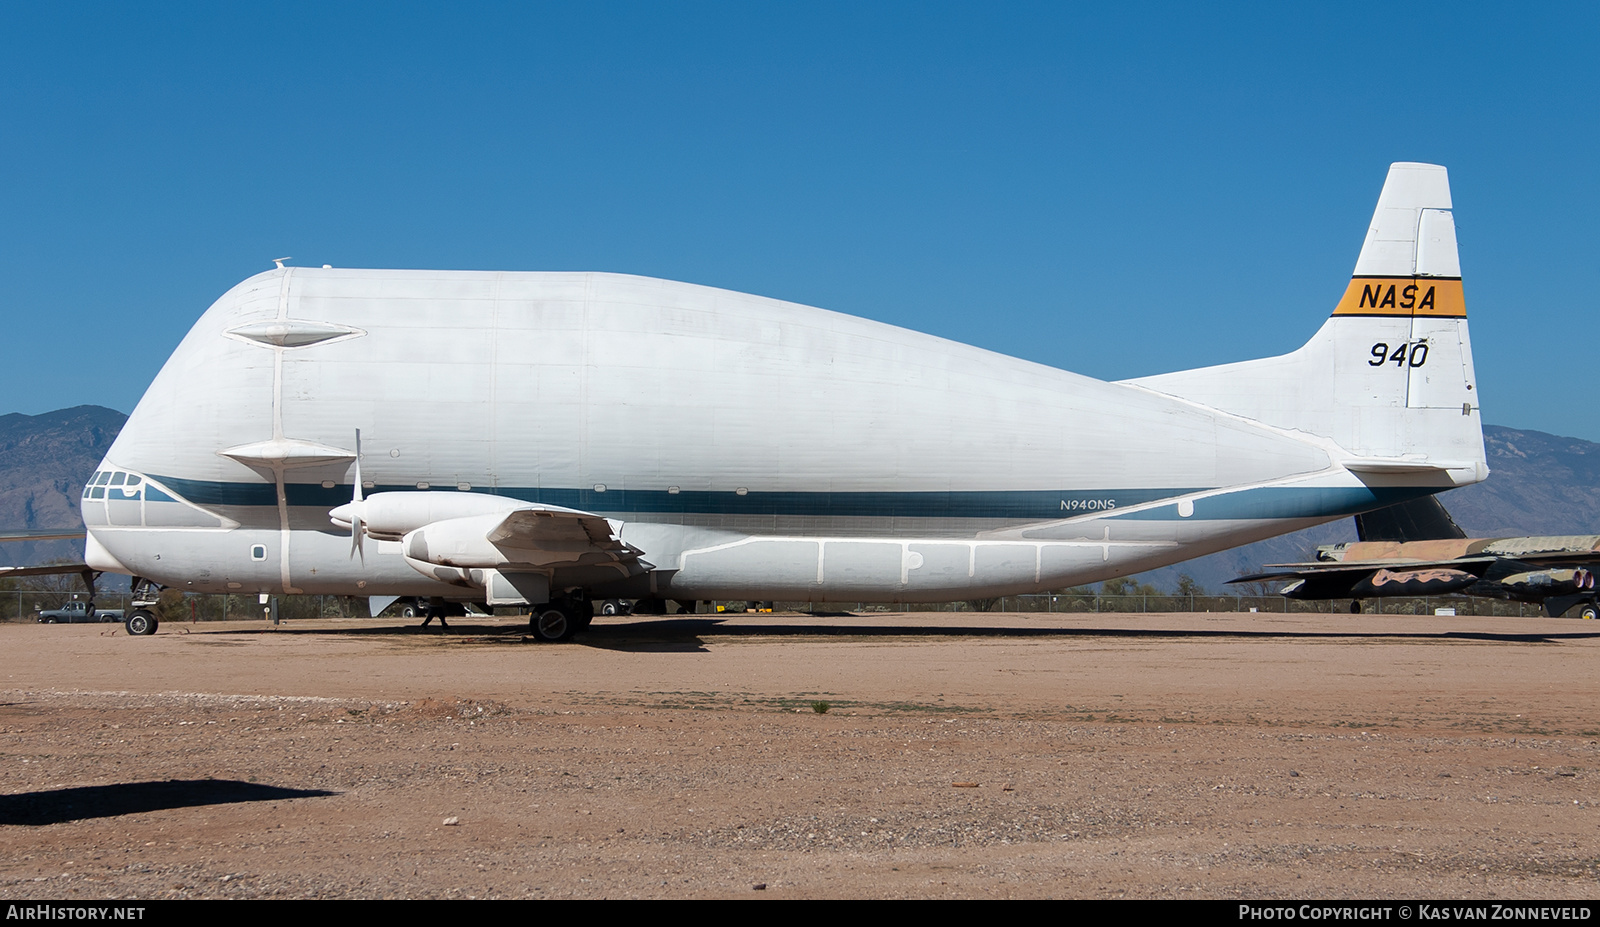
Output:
x=433 y=612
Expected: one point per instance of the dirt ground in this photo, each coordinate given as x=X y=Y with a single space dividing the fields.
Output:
x=960 y=755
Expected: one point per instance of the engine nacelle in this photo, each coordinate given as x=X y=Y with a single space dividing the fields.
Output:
x=389 y=516
x=1550 y=582
x=475 y=543
x=456 y=542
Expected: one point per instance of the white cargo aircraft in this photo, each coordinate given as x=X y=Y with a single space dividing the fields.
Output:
x=547 y=439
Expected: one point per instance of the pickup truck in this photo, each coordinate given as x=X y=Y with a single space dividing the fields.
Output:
x=78 y=613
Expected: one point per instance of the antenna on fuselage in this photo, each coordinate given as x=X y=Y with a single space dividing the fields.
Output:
x=279 y=261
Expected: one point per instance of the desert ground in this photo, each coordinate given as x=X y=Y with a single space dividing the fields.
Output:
x=962 y=755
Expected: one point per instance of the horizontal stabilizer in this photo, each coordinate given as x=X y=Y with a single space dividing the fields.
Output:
x=1422 y=519
x=1402 y=465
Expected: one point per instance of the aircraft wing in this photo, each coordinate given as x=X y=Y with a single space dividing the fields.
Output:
x=43 y=534
x=550 y=532
x=53 y=569
x=1474 y=565
x=1555 y=557
x=83 y=570
x=521 y=537
x=48 y=569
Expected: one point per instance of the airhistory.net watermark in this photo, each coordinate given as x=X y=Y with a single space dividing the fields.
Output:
x=62 y=912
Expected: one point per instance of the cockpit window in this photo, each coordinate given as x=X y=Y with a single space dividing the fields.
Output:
x=118 y=478
x=133 y=479
x=102 y=478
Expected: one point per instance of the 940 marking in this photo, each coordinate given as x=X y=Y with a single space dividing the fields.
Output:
x=1410 y=354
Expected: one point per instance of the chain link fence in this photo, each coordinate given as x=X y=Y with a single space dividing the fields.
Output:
x=1154 y=603
x=26 y=606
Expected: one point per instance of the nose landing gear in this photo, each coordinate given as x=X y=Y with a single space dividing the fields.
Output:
x=142 y=620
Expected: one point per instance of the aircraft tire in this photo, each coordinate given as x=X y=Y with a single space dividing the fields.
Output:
x=141 y=623
x=613 y=607
x=552 y=625
x=1588 y=611
x=1355 y=606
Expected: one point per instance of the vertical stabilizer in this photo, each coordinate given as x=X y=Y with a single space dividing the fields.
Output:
x=1412 y=232
x=1388 y=378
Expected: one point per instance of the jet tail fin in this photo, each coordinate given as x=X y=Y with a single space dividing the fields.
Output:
x=1388 y=378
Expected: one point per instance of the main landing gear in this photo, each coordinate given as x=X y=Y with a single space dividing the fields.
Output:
x=559 y=619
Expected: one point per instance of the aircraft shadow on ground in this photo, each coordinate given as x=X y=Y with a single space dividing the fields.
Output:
x=671 y=628
x=685 y=633
x=57 y=806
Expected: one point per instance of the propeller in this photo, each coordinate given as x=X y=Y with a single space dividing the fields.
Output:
x=349 y=515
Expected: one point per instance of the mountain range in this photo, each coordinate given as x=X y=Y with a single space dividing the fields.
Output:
x=44 y=460
x=1538 y=484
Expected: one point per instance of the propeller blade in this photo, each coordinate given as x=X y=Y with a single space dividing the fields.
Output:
x=357 y=529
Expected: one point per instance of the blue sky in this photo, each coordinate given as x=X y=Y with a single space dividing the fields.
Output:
x=1117 y=189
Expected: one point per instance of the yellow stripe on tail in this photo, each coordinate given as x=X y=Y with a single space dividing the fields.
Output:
x=1432 y=297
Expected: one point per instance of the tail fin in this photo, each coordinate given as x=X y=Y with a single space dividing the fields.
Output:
x=1388 y=378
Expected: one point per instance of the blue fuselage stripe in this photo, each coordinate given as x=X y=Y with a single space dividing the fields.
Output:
x=1274 y=502
x=1033 y=505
